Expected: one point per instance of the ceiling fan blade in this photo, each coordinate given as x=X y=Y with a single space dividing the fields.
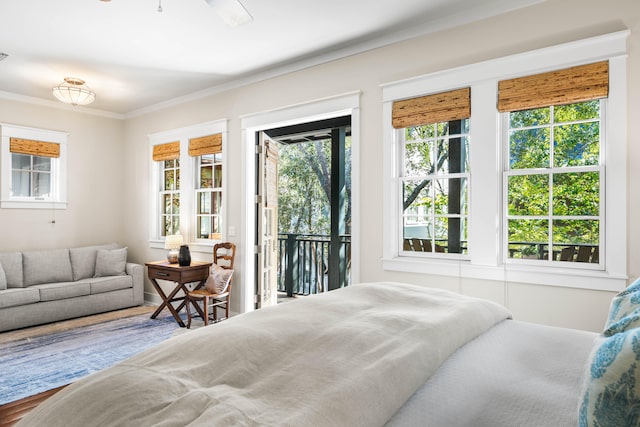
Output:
x=231 y=11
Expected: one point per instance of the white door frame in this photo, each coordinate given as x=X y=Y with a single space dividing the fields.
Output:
x=336 y=106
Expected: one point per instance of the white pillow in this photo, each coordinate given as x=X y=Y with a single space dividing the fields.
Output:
x=111 y=262
x=218 y=280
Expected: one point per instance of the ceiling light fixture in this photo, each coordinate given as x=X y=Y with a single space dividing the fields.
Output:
x=73 y=91
x=231 y=11
x=3 y=55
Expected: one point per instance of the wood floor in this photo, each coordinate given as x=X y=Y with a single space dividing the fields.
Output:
x=12 y=412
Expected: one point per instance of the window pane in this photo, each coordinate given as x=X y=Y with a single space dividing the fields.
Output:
x=416 y=195
x=581 y=111
x=41 y=163
x=41 y=184
x=206 y=174
x=217 y=183
x=176 y=204
x=450 y=235
x=216 y=224
x=576 y=193
x=20 y=184
x=166 y=205
x=204 y=227
x=454 y=155
x=529 y=148
x=418 y=159
x=177 y=184
x=204 y=203
x=217 y=202
x=527 y=118
x=169 y=179
x=528 y=195
x=417 y=233
x=585 y=231
x=169 y=164
x=20 y=161
x=576 y=240
x=577 y=144
x=417 y=133
x=451 y=196
x=528 y=238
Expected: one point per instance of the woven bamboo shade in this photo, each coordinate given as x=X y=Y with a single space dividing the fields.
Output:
x=168 y=151
x=210 y=144
x=575 y=84
x=34 y=148
x=439 y=107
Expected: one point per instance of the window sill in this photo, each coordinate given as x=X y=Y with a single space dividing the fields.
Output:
x=198 y=247
x=32 y=204
x=549 y=276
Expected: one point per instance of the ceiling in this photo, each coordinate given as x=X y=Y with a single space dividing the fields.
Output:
x=136 y=58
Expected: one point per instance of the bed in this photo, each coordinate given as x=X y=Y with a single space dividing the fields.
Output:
x=372 y=354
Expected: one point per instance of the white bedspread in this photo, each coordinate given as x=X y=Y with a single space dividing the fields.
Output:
x=349 y=357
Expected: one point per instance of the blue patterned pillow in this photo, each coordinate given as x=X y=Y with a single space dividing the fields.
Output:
x=624 y=304
x=610 y=396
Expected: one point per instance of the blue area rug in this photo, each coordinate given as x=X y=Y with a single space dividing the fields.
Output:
x=33 y=365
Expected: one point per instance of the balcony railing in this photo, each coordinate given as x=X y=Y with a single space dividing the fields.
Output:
x=303 y=263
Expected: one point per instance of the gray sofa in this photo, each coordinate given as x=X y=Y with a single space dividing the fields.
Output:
x=39 y=287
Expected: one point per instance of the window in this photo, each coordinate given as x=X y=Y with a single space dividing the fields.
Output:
x=187 y=177
x=33 y=168
x=435 y=187
x=207 y=152
x=543 y=196
x=553 y=183
x=433 y=135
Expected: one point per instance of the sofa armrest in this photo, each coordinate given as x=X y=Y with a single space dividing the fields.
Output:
x=137 y=273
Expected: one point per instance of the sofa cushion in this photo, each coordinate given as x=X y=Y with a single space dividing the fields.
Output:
x=12 y=266
x=19 y=296
x=49 y=266
x=111 y=262
x=3 y=279
x=101 y=285
x=83 y=260
x=62 y=290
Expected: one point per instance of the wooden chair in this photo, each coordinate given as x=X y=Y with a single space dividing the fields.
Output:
x=224 y=256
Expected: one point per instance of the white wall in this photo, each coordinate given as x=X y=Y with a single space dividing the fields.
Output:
x=95 y=184
x=120 y=207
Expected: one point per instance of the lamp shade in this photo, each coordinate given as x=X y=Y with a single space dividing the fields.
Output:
x=73 y=91
x=173 y=242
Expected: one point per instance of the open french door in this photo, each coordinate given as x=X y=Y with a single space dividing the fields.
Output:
x=267 y=221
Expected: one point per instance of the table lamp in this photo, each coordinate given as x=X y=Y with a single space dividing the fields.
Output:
x=173 y=243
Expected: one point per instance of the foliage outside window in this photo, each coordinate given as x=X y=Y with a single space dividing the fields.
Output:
x=434 y=180
x=170 y=197
x=554 y=184
x=209 y=196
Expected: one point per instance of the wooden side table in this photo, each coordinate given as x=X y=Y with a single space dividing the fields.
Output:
x=161 y=270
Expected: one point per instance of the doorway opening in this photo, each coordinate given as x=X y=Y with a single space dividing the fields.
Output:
x=303 y=209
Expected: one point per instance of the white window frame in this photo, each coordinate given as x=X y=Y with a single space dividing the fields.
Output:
x=486 y=260
x=58 y=196
x=188 y=185
x=504 y=119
